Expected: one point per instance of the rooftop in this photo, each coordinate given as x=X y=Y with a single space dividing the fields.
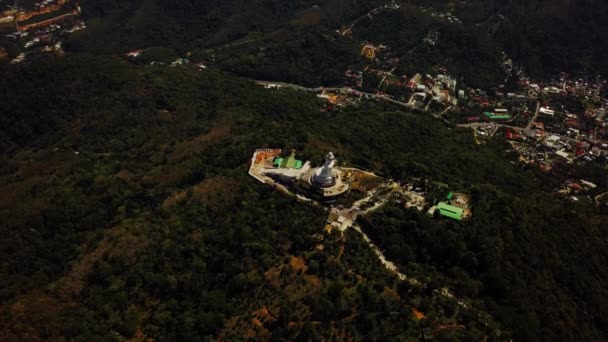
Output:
x=450 y=211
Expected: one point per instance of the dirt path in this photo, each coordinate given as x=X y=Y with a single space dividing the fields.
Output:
x=387 y=263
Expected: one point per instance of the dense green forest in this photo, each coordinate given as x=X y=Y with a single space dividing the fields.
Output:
x=536 y=262
x=117 y=26
x=306 y=56
x=128 y=212
x=297 y=41
x=545 y=36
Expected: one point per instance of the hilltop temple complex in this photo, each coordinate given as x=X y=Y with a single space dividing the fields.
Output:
x=324 y=183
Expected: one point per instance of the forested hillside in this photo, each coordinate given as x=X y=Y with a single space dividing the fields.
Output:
x=296 y=41
x=192 y=25
x=127 y=205
x=128 y=214
x=536 y=262
x=546 y=36
x=470 y=55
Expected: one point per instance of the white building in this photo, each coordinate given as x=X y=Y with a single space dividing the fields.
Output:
x=547 y=111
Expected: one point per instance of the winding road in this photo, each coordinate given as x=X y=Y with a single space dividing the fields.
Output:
x=336 y=89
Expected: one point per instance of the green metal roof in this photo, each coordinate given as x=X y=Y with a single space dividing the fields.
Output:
x=502 y=116
x=289 y=162
x=450 y=211
x=450 y=195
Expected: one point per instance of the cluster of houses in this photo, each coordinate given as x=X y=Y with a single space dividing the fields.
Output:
x=439 y=89
x=444 y=16
x=576 y=188
x=419 y=91
x=564 y=136
x=567 y=85
x=41 y=30
x=547 y=150
x=340 y=98
x=568 y=126
x=552 y=125
x=380 y=56
x=134 y=56
x=432 y=37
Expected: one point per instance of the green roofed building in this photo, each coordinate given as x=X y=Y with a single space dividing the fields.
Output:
x=493 y=116
x=450 y=211
x=450 y=195
x=289 y=162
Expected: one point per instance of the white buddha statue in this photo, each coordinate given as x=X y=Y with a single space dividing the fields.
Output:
x=323 y=176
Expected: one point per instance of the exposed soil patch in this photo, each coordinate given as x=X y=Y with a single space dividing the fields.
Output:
x=199 y=143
